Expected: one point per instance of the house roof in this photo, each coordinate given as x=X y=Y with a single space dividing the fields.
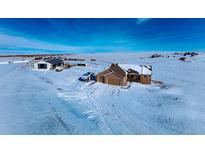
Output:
x=115 y=71
x=41 y=61
x=141 y=69
x=113 y=74
x=54 y=61
x=104 y=72
x=118 y=70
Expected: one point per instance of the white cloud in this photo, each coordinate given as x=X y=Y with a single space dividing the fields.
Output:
x=14 y=41
x=10 y=41
x=142 y=20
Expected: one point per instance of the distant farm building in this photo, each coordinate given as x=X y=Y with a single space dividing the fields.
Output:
x=38 y=58
x=92 y=59
x=156 y=56
x=185 y=59
x=192 y=54
x=113 y=75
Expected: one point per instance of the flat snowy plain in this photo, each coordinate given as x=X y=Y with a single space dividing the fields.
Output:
x=39 y=102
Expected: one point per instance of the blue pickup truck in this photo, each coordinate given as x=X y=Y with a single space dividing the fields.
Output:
x=87 y=77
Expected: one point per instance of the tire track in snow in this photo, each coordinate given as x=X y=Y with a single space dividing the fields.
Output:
x=53 y=109
x=91 y=101
x=99 y=114
x=82 y=96
x=60 y=120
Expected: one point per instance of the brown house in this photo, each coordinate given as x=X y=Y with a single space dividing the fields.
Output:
x=138 y=73
x=114 y=75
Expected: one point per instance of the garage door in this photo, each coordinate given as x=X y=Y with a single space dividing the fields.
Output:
x=102 y=79
x=113 y=81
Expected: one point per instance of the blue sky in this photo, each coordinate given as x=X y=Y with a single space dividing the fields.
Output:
x=100 y=35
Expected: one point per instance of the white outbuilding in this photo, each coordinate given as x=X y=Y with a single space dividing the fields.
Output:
x=41 y=65
x=49 y=64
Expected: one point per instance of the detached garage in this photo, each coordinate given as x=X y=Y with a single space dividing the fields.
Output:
x=42 y=65
x=49 y=64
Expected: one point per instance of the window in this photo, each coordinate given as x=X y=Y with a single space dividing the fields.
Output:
x=42 y=66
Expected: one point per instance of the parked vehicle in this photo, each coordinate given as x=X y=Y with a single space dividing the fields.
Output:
x=87 y=77
x=59 y=69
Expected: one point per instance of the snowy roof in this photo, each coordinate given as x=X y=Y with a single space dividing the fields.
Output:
x=54 y=61
x=39 y=61
x=141 y=69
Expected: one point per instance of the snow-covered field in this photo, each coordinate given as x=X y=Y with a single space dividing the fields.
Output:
x=37 y=102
